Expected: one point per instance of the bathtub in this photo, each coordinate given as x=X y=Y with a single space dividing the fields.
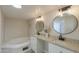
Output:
x=17 y=45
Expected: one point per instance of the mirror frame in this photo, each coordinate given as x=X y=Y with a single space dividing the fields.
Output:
x=68 y=32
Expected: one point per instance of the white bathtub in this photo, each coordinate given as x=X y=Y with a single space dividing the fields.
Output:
x=17 y=45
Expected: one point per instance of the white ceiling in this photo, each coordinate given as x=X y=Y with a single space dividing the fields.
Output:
x=28 y=11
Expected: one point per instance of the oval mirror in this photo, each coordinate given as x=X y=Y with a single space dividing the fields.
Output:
x=65 y=24
x=39 y=26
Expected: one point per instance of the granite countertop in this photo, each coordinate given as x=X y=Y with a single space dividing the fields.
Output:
x=67 y=43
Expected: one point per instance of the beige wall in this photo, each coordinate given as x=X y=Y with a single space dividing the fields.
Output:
x=16 y=28
x=31 y=27
x=1 y=29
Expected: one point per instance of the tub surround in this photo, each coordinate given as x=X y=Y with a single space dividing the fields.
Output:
x=17 y=42
x=70 y=44
x=16 y=45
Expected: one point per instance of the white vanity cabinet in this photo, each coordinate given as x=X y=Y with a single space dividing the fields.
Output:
x=37 y=45
x=40 y=46
x=57 y=49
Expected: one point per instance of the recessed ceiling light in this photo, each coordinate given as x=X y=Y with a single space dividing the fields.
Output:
x=17 y=6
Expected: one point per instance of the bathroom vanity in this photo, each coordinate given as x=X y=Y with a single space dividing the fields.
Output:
x=51 y=44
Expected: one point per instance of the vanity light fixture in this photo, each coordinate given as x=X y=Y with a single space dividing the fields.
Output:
x=40 y=18
x=63 y=9
x=66 y=8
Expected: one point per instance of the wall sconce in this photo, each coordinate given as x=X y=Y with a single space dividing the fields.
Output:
x=39 y=18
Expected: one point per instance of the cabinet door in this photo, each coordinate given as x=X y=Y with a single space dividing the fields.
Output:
x=58 y=49
x=40 y=45
x=66 y=50
x=53 y=49
x=37 y=45
x=34 y=44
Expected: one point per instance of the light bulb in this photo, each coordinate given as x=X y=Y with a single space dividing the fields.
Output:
x=60 y=13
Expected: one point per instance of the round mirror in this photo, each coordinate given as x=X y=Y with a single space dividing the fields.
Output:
x=65 y=24
x=39 y=26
